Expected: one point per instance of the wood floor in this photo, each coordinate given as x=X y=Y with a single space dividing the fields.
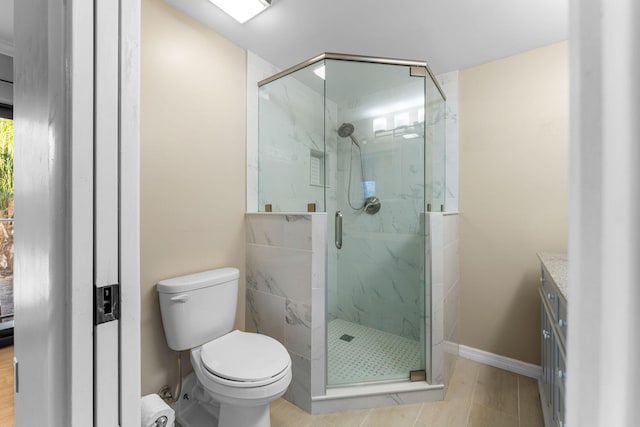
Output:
x=478 y=396
x=6 y=387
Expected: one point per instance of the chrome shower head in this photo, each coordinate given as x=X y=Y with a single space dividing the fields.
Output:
x=346 y=130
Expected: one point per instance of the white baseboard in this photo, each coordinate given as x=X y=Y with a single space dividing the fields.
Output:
x=451 y=348
x=502 y=362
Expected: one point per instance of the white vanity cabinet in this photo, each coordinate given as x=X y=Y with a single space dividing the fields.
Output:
x=553 y=336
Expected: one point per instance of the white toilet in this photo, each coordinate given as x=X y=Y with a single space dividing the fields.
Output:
x=241 y=371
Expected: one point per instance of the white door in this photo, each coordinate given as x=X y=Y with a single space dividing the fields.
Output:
x=76 y=111
x=106 y=224
x=116 y=201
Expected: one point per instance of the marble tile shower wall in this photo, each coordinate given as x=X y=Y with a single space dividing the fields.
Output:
x=292 y=136
x=451 y=277
x=259 y=69
x=451 y=282
x=286 y=293
x=449 y=83
x=435 y=321
x=381 y=263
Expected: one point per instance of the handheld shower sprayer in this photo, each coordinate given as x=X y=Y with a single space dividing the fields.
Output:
x=346 y=130
x=371 y=205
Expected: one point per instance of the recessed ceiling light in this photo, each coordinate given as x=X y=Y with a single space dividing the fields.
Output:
x=242 y=10
x=410 y=135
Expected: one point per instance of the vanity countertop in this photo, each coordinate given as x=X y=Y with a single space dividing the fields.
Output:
x=556 y=265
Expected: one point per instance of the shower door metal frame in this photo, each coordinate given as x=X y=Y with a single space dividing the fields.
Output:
x=355 y=58
x=338 y=239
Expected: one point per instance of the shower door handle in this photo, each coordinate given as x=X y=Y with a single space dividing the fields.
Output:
x=338 y=231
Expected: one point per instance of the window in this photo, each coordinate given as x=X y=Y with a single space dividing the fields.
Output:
x=6 y=220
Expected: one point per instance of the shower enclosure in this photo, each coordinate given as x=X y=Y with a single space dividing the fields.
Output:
x=361 y=139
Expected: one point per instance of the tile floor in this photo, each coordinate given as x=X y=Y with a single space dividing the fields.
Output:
x=478 y=396
x=370 y=355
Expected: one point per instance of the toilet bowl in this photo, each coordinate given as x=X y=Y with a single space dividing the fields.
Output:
x=244 y=394
x=243 y=372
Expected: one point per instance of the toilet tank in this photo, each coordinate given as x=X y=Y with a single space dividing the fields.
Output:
x=199 y=307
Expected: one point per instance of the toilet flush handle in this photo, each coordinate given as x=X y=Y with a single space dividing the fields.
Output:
x=180 y=298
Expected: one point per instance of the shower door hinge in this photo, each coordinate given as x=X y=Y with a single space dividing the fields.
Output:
x=420 y=375
x=416 y=71
x=107 y=304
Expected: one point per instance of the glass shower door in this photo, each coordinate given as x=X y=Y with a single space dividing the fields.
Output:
x=375 y=151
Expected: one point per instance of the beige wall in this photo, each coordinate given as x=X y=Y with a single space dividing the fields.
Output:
x=513 y=195
x=193 y=165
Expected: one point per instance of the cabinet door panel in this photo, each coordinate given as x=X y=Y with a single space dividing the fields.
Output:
x=547 y=356
x=562 y=319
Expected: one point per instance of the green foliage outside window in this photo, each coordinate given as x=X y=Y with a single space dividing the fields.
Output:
x=6 y=165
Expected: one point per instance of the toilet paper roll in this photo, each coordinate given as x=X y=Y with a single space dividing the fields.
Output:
x=153 y=408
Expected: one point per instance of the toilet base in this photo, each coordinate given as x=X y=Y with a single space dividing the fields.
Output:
x=196 y=408
x=255 y=416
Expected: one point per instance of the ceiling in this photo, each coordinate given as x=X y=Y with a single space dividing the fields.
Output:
x=448 y=34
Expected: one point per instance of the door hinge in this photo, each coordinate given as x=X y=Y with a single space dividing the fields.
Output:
x=419 y=375
x=107 y=304
x=416 y=71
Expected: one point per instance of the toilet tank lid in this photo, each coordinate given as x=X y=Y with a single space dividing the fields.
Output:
x=197 y=280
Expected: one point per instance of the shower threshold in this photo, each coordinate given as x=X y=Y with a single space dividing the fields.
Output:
x=375 y=395
x=369 y=368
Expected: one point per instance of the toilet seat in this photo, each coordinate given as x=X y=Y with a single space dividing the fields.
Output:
x=244 y=359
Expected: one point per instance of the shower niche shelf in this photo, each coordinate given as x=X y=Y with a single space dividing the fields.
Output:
x=317 y=165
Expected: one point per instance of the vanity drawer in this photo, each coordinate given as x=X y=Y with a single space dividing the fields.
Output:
x=549 y=293
x=554 y=337
x=560 y=387
x=561 y=367
x=561 y=318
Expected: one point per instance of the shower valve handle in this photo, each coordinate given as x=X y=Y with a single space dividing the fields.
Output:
x=338 y=230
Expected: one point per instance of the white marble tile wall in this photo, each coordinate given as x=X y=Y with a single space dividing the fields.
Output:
x=427 y=315
x=449 y=83
x=381 y=268
x=381 y=277
x=318 y=304
x=451 y=276
x=292 y=143
x=286 y=291
x=259 y=69
x=436 y=321
x=451 y=280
